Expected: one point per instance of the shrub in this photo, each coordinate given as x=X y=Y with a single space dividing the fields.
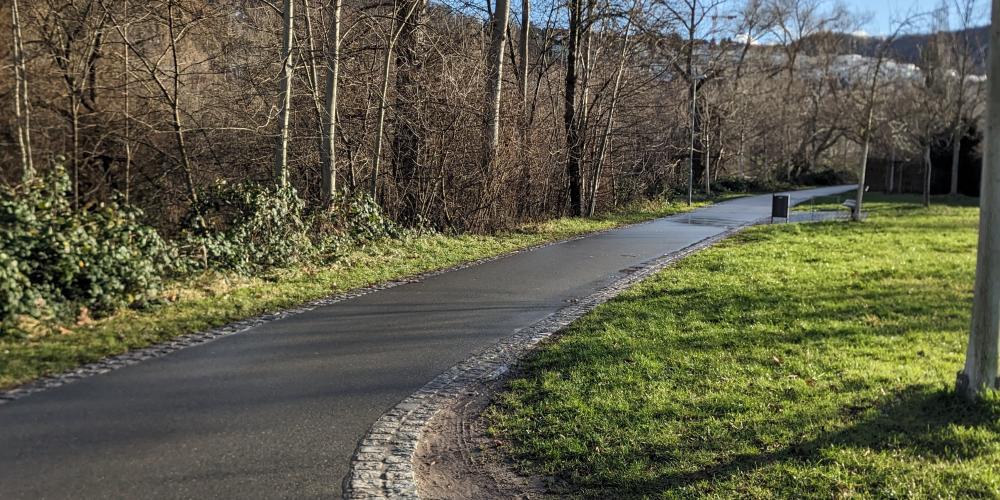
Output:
x=246 y=227
x=749 y=185
x=352 y=221
x=55 y=260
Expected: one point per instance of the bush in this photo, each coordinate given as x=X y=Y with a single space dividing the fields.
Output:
x=246 y=227
x=827 y=177
x=351 y=221
x=749 y=185
x=55 y=260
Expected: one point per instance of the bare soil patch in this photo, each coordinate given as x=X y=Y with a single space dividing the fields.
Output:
x=456 y=459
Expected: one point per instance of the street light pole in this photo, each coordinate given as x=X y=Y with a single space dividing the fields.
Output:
x=695 y=80
x=694 y=101
x=980 y=374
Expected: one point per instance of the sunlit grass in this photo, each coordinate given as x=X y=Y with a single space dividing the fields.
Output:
x=813 y=360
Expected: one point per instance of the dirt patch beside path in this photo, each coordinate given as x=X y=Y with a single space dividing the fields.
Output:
x=455 y=459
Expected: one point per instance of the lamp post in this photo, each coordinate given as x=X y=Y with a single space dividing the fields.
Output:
x=695 y=80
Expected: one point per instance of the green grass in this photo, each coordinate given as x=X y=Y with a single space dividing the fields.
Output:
x=214 y=299
x=813 y=360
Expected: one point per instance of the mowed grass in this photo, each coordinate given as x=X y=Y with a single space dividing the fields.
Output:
x=215 y=299
x=792 y=361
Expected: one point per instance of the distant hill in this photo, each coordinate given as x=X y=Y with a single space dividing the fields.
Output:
x=907 y=48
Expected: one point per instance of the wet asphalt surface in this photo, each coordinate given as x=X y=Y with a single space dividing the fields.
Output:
x=277 y=411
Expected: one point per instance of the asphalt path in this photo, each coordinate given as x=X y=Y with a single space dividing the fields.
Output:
x=278 y=410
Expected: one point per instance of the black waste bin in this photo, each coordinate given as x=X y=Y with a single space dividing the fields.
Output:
x=779 y=206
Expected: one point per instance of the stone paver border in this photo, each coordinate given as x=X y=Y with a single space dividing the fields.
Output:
x=382 y=466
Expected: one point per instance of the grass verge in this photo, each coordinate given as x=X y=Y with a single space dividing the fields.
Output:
x=793 y=361
x=214 y=299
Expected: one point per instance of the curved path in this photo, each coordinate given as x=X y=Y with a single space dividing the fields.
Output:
x=277 y=411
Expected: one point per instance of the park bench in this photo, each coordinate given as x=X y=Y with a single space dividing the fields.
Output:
x=850 y=203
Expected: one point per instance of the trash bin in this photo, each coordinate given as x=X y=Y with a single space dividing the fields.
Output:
x=779 y=206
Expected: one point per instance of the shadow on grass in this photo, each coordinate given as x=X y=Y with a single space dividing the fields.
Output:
x=918 y=421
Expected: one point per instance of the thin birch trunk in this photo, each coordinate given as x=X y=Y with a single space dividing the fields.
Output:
x=494 y=83
x=22 y=111
x=329 y=151
x=285 y=95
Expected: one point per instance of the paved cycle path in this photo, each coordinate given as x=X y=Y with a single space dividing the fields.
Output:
x=277 y=411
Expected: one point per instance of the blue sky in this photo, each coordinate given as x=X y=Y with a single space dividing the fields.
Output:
x=880 y=14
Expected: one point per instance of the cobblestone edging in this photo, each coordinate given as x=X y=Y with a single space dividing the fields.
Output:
x=129 y=358
x=382 y=466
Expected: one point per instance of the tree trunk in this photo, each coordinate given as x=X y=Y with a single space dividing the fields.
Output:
x=494 y=81
x=408 y=143
x=128 y=118
x=524 y=53
x=867 y=133
x=524 y=208
x=22 y=112
x=176 y=108
x=570 y=121
x=980 y=374
x=318 y=96
x=285 y=95
x=328 y=153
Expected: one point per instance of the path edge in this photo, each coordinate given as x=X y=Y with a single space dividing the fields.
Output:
x=163 y=348
x=382 y=465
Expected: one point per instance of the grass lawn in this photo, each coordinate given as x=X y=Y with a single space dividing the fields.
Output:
x=792 y=360
x=213 y=299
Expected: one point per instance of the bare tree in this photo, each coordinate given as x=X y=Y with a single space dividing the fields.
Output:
x=494 y=81
x=866 y=132
x=22 y=111
x=605 y=141
x=329 y=151
x=961 y=53
x=285 y=94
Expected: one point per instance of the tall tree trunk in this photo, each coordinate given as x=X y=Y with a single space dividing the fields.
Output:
x=128 y=118
x=867 y=133
x=22 y=111
x=981 y=358
x=318 y=96
x=285 y=95
x=175 y=103
x=524 y=208
x=570 y=120
x=524 y=54
x=328 y=153
x=408 y=142
x=494 y=81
